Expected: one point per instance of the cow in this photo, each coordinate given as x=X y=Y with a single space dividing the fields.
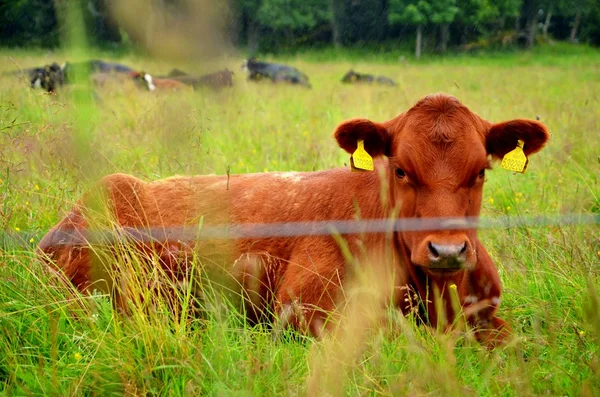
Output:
x=95 y=66
x=258 y=70
x=161 y=84
x=217 y=80
x=48 y=77
x=52 y=76
x=430 y=162
x=352 y=77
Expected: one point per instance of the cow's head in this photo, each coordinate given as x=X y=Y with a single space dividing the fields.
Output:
x=50 y=77
x=145 y=79
x=438 y=153
x=249 y=63
x=350 y=77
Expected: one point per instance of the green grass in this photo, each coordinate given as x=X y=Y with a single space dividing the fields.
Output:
x=52 y=148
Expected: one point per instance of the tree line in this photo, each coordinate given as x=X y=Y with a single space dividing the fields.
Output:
x=283 y=25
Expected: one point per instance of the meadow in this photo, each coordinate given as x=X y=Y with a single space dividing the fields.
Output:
x=54 y=147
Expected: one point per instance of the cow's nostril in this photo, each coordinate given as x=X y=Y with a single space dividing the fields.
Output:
x=447 y=254
x=433 y=251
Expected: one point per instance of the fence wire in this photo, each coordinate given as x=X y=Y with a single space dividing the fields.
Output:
x=294 y=229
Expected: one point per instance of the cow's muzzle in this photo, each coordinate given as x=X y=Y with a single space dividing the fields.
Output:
x=445 y=256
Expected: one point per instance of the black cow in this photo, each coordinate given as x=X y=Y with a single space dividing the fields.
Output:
x=48 y=77
x=353 y=77
x=258 y=70
x=93 y=66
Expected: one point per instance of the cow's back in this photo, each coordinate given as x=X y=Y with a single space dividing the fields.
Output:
x=169 y=209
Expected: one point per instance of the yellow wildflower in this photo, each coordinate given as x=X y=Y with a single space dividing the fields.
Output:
x=491 y=200
x=31 y=240
x=581 y=333
x=37 y=187
x=508 y=208
x=17 y=229
x=77 y=356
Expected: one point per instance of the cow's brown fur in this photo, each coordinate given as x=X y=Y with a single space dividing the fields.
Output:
x=442 y=150
x=161 y=84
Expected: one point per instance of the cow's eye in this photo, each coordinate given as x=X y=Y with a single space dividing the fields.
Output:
x=400 y=173
x=482 y=173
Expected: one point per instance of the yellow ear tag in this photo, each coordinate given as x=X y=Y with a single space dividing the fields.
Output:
x=515 y=160
x=360 y=159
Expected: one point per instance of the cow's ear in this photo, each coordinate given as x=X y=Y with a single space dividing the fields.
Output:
x=375 y=136
x=503 y=137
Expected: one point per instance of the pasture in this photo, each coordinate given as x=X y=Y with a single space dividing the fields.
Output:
x=53 y=148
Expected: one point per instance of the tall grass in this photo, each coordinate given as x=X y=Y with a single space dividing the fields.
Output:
x=54 y=341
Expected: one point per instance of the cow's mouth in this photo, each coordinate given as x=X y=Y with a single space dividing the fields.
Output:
x=444 y=267
x=443 y=271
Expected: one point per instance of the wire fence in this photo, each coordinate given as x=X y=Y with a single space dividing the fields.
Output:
x=294 y=229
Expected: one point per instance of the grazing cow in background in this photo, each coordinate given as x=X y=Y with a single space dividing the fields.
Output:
x=258 y=70
x=162 y=84
x=222 y=78
x=94 y=67
x=435 y=157
x=49 y=77
x=353 y=77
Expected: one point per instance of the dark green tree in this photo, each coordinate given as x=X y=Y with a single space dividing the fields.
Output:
x=293 y=20
x=485 y=18
x=420 y=13
x=28 y=23
x=357 y=21
x=100 y=25
x=247 y=12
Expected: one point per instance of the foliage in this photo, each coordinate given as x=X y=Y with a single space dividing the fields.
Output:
x=292 y=15
x=28 y=23
x=422 y=12
x=360 y=21
x=278 y=25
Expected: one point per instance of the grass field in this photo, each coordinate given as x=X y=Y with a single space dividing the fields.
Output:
x=52 y=148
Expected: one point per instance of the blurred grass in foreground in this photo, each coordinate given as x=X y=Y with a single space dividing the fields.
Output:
x=52 y=341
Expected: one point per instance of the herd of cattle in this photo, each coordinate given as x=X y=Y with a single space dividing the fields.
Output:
x=431 y=159
x=51 y=77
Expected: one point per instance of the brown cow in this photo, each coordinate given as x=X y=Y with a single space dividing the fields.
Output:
x=161 y=84
x=436 y=156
